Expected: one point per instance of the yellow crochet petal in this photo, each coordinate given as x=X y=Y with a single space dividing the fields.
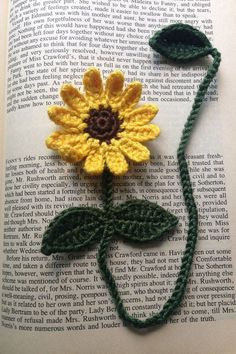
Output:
x=114 y=85
x=66 y=118
x=131 y=95
x=74 y=98
x=141 y=115
x=134 y=150
x=94 y=163
x=92 y=81
x=71 y=147
x=93 y=86
x=115 y=160
x=140 y=133
x=88 y=118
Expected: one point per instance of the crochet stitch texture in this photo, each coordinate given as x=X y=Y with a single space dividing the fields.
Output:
x=103 y=126
x=106 y=124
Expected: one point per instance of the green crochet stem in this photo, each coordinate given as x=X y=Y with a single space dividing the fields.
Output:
x=182 y=279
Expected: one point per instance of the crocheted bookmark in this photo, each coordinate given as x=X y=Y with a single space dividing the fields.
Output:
x=103 y=127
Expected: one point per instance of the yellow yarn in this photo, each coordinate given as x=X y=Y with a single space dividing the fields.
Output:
x=103 y=126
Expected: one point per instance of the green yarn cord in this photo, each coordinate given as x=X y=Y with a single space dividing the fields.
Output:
x=176 y=43
x=107 y=191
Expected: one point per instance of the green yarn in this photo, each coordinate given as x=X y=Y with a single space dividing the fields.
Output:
x=139 y=220
x=107 y=190
x=135 y=220
x=181 y=43
x=182 y=53
x=73 y=229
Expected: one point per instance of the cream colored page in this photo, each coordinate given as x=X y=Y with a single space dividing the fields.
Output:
x=188 y=338
x=3 y=50
x=3 y=30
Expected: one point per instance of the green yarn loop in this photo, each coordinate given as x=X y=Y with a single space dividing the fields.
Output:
x=141 y=220
x=190 y=44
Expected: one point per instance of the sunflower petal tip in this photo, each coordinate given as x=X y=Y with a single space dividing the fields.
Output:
x=137 y=84
x=157 y=131
x=64 y=87
x=120 y=173
x=48 y=142
x=51 y=111
x=118 y=72
x=93 y=68
x=90 y=73
x=147 y=157
x=152 y=108
x=93 y=172
x=120 y=170
x=92 y=81
x=68 y=90
x=155 y=108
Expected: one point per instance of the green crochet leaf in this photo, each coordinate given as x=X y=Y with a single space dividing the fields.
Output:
x=141 y=220
x=181 y=42
x=73 y=229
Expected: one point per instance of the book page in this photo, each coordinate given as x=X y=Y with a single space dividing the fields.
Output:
x=3 y=46
x=52 y=42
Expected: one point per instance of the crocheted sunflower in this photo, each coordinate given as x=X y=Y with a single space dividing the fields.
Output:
x=103 y=126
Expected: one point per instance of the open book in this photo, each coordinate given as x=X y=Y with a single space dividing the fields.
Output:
x=59 y=304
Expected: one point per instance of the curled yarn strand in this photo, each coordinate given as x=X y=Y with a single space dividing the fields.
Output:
x=182 y=279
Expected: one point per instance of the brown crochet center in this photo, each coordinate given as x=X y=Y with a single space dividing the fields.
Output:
x=103 y=124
